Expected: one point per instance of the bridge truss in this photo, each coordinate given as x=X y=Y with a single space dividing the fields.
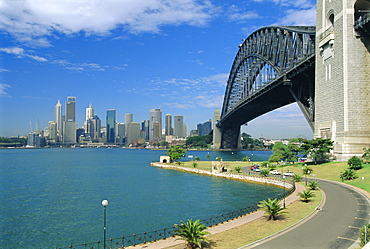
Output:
x=273 y=67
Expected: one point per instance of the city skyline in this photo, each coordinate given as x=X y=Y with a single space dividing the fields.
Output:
x=174 y=56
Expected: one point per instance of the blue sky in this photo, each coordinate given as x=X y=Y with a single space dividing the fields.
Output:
x=133 y=55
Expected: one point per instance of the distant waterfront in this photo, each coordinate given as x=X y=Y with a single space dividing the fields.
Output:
x=52 y=197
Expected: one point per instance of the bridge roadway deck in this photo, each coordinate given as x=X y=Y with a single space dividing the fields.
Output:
x=334 y=225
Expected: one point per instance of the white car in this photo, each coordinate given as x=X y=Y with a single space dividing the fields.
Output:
x=275 y=172
x=288 y=173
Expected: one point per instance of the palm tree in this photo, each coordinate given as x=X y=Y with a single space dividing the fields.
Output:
x=219 y=158
x=313 y=185
x=297 y=178
x=195 y=164
x=306 y=195
x=348 y=174
x=264 y=172
x=238 y=169
x=192 y=232
x=272 y=208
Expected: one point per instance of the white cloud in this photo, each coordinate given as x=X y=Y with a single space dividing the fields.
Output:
x=295 y=17
x=235 y=13
x=21 y=53
x=3 y=88
x=32 y=21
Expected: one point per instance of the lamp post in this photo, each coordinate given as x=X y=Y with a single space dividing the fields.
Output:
x=105 y=204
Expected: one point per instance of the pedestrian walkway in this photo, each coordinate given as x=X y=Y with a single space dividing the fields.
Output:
x=222 y=227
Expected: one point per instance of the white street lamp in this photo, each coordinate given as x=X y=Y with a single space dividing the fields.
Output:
x=105 y=204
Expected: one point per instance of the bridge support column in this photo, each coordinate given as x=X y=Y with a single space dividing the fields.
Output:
x=216 y=130
x=230 y=138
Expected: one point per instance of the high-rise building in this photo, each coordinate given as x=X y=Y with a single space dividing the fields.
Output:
x=89 y=115
x=58 y=118
x=93 y=128
x=53 y=134
x=179 y=126
x=157 y=131
x=128 y=118
x=168 y=125
x=133 y=133
x=205 y=128
x=155 y=116
x=145 y=129
x=70 y=125
x=120 y=133
x=111 y=125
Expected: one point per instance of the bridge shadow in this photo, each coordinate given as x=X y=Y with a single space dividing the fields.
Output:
x=366 y=42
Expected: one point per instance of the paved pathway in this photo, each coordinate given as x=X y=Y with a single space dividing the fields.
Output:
x=335 y=226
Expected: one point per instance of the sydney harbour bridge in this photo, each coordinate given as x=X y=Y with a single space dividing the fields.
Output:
x=279 y=65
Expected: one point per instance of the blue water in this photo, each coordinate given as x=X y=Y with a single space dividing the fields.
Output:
x=52 y=197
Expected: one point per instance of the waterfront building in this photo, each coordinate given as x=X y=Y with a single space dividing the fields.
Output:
x=89 y=115
x=35 y=139
x=145 y=129
x=128 y=119
x=120 y=133
x=53 y=132
x=155 y=116
x=168 y=125
x=133 y=133
x=58 y=118
x=69 y=124
x=205 y=128
x=179 y=126
x=193 y=133
x=111 y=125
x=94 y=128
x=157 y=131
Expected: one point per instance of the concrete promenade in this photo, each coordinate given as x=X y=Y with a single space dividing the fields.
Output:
x=218 y=228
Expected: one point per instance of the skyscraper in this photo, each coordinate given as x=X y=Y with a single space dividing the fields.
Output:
x=168 y=125
x=111 y=125
x=145 y=129
x=133 y=133
x=58 y=118
x=155 y=116
x=89 y=115
x=179 y=126
x=128 y=119
x=94 y=127
x=70 y=126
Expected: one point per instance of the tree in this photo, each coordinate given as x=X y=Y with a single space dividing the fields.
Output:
x=297 y=178
x=175 y=153
x=199 y=141
x=208 y=156
x=272 y=208
x=238 y=169
x=366 y=155
x=219 y=158
x=245 y=159
x=306 y=170
x=265 y=172
x=355 y=163
x=364 y=235
x=249 y=143
x=195 y=164
x=192 y=232
x=348 y=174
x=306 y=195
x=318 y=149
x=197 y=158
x=313 y=185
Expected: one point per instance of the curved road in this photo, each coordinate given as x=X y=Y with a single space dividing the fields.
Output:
x=336 y=226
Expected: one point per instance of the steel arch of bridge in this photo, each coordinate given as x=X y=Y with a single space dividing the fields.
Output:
x=273 y=67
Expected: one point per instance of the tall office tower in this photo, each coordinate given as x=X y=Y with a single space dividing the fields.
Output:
x=155 y=116
x=93 y=128
x=216 y=131
x=168 y=125
x=157 y=131
x=111 y=125
x=70 y=125
x=179 y=126
x=145 y=129
x=205 y=128
x=133 y=133
x=184 y=130
x=89 y=114
x=53 y=132
x=58 y=119
x=128 y=118
x=120 y=133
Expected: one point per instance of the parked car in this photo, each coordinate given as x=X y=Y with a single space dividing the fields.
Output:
x=275 y=172
x=257 y=170
x=288 y=173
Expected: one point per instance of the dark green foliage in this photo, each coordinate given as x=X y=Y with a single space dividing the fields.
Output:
x=272 y=208
x=364 y=237
x=199 y=141
x=12 y=142
x=348 y=174
x=175 y=153
x=238 y=169
x=249 y=143
x=355 y=163
x=195 y=164
x=192 y=232
x=265 y=172
x=306 y=170
x=318 y=149
x=306 y=195
x=283 y=152
x=297 y=178
x=366 y=155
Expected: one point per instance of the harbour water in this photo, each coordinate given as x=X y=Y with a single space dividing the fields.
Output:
x=52 y=197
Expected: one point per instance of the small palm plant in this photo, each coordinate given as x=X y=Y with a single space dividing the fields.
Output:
x=306 y=195
x=192 y=232
x=272 y=208
x=238 y=169
x=348 y=174
x=297 y=178
x=195 y=164
x=313 y=185
x=265 y=172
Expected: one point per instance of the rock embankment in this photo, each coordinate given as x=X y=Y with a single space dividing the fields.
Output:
x=248 y=178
